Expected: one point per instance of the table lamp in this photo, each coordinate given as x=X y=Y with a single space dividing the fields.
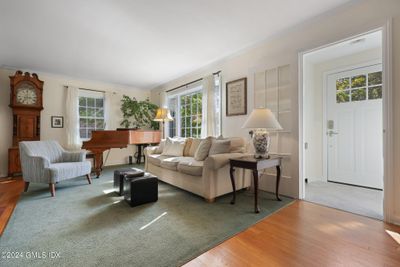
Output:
x=163 y=115
x=261 y=120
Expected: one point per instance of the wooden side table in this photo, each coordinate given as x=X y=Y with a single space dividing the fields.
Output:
x=251 y=163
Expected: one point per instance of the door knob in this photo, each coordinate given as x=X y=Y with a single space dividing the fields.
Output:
x=330 y=133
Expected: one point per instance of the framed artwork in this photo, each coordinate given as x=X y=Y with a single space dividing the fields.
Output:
x=57 y=122
x=236 y=97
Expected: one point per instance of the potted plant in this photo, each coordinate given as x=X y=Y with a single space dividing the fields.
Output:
x=138 y=114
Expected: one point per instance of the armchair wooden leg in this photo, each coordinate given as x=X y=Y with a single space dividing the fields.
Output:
x=26 y=186
x=88 y=178
x=52 y=189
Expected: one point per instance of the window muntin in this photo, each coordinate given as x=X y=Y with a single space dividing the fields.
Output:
x=91 y=115
x=359 y=88
x=186 y=109
x=191 y=114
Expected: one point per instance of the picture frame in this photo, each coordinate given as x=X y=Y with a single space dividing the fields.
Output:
x=57 y=122
x=236 y=97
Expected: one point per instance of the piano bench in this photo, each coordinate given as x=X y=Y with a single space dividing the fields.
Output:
x=141 y=190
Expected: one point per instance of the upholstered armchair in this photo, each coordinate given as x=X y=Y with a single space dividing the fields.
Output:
x=47 y=162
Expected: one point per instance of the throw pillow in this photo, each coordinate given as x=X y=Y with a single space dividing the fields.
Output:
x=193 y=147
x=173 y=147
x=237 y=144
x=188 y=143
x=220 y=147
x=160 y=147
x=203 y=149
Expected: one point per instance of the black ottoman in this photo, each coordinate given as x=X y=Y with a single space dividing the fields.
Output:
x=141 y=190
x=119 y=176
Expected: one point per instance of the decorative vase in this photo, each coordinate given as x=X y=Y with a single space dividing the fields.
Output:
x=261 y=142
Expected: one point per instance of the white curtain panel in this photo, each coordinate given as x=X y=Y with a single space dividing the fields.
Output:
x=72 y=118
x=108 y=99
x=211 y=108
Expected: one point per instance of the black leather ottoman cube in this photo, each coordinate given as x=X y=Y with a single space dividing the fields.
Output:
x=119 y=176
x=141 y=190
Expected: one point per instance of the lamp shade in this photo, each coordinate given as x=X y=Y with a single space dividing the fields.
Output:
x=262 y=118
x=163 y=115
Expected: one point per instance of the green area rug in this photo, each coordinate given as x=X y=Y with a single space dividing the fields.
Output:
x=89 y=225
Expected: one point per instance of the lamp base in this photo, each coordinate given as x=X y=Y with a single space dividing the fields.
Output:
x=261 y=142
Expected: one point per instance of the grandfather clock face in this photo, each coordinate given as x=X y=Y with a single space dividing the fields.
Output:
x=26 y=94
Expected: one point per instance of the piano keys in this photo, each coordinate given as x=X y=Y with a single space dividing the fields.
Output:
x=120 y=138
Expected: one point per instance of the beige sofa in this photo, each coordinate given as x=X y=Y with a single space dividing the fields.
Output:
x=208 y=178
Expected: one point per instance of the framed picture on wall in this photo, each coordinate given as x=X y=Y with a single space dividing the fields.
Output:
x=236 y=97
x=57 y=122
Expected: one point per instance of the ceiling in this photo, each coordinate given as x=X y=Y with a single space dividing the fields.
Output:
x=354 y=45
x=140 y=43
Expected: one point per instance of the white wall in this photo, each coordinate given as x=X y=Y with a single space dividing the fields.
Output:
x=54 y=96
x=313 y=106
x=349 y=20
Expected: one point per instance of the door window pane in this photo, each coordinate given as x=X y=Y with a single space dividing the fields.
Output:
x=375 y=92
x=358 y=81
x=342 y=84
x=342 y=96
x=375 y=78
x=358 y=94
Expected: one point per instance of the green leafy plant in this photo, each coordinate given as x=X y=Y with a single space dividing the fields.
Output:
x=138 y=114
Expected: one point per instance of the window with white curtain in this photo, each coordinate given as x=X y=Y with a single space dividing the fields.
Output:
x=91 y=113
x=186 y=107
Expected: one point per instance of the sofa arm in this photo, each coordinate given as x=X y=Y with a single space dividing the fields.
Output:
x=218 y=161
x=78 y=156
x=150 y=150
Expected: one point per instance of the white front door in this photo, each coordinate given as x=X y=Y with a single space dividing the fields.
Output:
x=354 y=127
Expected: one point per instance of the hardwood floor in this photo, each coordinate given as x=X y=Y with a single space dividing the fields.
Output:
x=306 y=234
x=302 y=234
x=10 y=190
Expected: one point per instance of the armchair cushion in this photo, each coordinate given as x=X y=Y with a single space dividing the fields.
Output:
x=67 y=170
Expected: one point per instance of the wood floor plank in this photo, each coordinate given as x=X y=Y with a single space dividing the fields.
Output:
x=306 y=234
x=10 y=190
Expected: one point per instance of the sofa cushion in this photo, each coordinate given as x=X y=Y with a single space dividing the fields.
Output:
x=191 y=167
x=172 y=162
x=220 y=147
x=186 y=149
x=173 y=147
x=193 y=146
x=203 y=149
x=156 y=159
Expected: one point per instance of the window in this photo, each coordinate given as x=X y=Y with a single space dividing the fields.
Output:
x=186 y=109
x=359 y=88
x=190 y=114
x=91 y=113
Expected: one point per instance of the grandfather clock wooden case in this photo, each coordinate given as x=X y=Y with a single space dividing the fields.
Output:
x=26 y=101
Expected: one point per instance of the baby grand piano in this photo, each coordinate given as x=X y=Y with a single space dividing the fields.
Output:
x=121 y=138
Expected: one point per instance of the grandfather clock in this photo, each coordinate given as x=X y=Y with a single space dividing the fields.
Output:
x=26 y=97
